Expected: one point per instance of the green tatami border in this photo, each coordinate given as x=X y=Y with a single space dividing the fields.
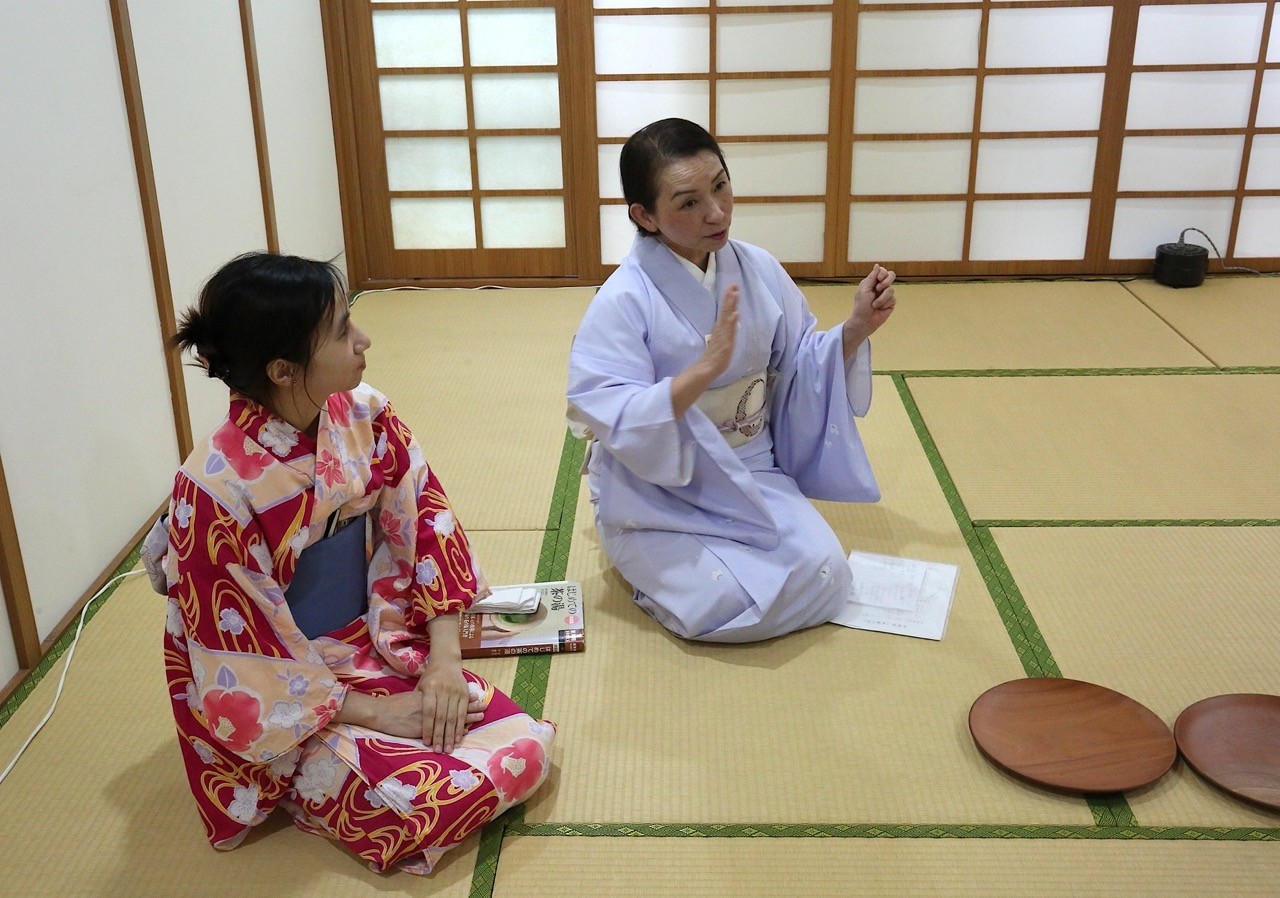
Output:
x=896 y=831
x=533 y=672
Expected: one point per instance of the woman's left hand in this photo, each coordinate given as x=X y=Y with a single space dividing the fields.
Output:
x=444 y=704
x=872 y=306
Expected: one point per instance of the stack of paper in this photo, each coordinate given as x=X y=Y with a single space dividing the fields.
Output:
x=520 y=599
x=899 y=595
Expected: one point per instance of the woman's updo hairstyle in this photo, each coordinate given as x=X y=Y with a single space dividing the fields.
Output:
x=651 y=149
x=257 y=308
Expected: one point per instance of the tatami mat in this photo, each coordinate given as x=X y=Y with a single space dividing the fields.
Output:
x=945 y=868
x=1089 y=448
x=829 y=725
x=1166 y=615
x=841 y=867
x=1232 y=320
x=479 y=375
x=1066 y=324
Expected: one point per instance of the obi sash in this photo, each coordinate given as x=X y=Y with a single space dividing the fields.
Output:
x=739 y=410
x=330 y=585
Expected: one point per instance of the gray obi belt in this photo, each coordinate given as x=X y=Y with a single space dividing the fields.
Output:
x=330 y=587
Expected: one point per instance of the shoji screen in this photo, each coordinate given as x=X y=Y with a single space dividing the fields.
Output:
x=1201 y=139
x=758 y=76
x=459 y=134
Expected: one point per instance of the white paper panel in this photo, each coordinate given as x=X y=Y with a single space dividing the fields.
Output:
x=793 y=232
x=404 y=38
x=294 y=83
x=522 y=221
x=776 y=106
x=428 y=163
x=1028 y=38
x=607 y=167
x=650 y=4
x=516 y=100
x=910 y=166
x=1259 y=233
x=1029 y=229
x=1264 y=163
x=928 y=39
x=446 y=223
x=1050 y=165
x=1042 y=102
x=1189 y=100
x=624 y=107
x=774 y=2
x=785 y=42
x=86 y=432
x=777 y=169
x=1196 y=162
x=913 y=105
x=423 y=102
x=1143 y=224
x=616 y=233
x=512 y=36
x=1269 y=101
x=905 y=232
x=519 y=163
x=630 y=44
x=1273 y=48
x=1210 y=32
x=8 y=651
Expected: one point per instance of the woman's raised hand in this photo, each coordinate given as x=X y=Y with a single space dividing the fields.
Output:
x=872 y=306
x=690 y=383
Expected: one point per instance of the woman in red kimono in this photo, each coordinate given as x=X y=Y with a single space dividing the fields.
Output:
x=315 y=573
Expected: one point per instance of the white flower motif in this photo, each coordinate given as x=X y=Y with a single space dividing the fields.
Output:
x=244 y=804
x=541 y=728
x=464 y=780
x=716 y=575
x=374 y=799
x=173 y=619
x=315 y=778
x=262 y=555
x=299 y=541
x=198 y=672
x=279 y=436
x=443 y=524
x=285 y=715
x=182 y=513
x=396 y=794
x=285 y=764
x=193 y=697
x=381 y=448
x=203 y=750
x=427 y=571
x=229 y=620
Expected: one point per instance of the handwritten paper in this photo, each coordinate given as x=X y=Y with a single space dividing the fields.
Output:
x=899 y=595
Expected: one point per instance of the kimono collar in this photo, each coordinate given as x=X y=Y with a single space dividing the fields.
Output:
x=273 y=433
x=680 y=288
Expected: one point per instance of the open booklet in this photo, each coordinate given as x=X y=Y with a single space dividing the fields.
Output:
x=554 y=622
x=899 y=595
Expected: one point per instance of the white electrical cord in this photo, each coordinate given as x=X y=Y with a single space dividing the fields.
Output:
x=66 y=667
x=1182 y=238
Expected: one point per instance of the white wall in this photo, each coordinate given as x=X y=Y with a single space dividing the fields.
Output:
x=295 y=103
x=86 y=430
x=195 y=91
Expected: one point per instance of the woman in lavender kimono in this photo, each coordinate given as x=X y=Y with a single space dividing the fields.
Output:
x=716 y=407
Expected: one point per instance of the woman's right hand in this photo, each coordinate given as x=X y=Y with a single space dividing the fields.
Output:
x=397 y=715
x=693 y=381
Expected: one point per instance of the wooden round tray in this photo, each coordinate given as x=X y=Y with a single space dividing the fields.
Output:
x=1233 y=741
x=1071 y=736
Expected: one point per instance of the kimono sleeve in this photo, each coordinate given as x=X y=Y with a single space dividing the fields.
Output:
x=815 y=437
x=430 y=570
x=613 y=391
x=258 y=694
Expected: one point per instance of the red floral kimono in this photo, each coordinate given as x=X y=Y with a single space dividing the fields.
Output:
x=254 y=698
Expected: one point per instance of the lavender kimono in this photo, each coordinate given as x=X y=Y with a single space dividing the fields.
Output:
x=719 y=541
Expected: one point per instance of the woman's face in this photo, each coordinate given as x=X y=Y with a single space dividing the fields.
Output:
x=693 y=208
x=337 y=362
